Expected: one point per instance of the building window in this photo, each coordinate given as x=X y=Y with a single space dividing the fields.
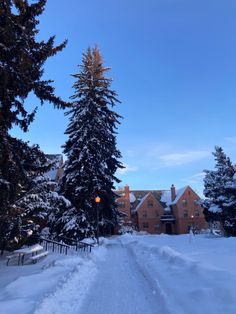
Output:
x=145 y=225
x=157 y=227
x=196 y=203
x=197 y=213
x=184 y=202
x=144 y=214
x=185 y=215
x=157 y=213
x=150 y=203
x=189 y=193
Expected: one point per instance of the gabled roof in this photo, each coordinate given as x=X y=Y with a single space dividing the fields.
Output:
x=179 y=194
x=162 y=196
x=142 y=201
x=141 y=195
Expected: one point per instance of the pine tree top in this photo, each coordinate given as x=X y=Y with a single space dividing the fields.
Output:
x=21 y=62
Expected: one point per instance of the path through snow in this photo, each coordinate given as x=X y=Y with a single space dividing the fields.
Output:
x=120 y=287
x=117 y=286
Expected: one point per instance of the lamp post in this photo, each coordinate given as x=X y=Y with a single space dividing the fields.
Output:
x=192 y=217
x=97 y=201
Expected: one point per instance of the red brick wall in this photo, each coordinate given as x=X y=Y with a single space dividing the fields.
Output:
x=149 y=216
x=187 y=212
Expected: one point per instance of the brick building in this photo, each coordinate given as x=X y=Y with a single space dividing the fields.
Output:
x=161 y=211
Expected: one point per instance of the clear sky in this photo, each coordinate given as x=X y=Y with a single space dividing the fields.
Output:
x=174 y=68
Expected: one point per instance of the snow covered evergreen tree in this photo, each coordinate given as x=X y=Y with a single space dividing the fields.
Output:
x=229 y=212
x=25 y=163
x=92 y=156
x=220 y=193
x=40 y=206
x=21 y=62
x=21 y=69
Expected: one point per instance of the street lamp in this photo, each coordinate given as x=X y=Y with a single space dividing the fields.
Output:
x=192 y=217
x=97 y=201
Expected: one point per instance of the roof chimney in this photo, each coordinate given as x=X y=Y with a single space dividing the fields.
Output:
x=173 y=193
x=126 y=191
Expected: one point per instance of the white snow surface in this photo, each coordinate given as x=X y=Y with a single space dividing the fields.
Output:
x=179 y=193
x=142 y=201
x=133 y=274
x=132 y=197
x=215 y=209
x=166 y=198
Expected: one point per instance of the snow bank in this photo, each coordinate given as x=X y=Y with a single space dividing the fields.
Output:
x=69 y=296
x=53 y=285
x=193 y=277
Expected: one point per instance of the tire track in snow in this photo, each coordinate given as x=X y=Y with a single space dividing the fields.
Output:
x=153 y=283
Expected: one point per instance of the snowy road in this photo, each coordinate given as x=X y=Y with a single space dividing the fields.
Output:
x=120 y=287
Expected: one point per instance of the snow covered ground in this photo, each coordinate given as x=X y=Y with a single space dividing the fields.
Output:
x=128 y=274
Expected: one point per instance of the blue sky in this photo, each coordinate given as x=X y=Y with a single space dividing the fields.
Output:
x=174 y=68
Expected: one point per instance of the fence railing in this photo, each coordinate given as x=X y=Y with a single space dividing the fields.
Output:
x=54 y=246
x=62 y=245
x=76 y=245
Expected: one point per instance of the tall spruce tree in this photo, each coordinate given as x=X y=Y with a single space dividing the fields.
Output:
x=21 y=68
x=92 y=156
x=22 y=58
x=219 y=190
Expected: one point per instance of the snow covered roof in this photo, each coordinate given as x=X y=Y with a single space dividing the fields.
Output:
x=162 y=196
x=137 y=197
x=141 y=195
x=141 y=201
x=166 y=199
x=132 y=197
x=179 y=193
